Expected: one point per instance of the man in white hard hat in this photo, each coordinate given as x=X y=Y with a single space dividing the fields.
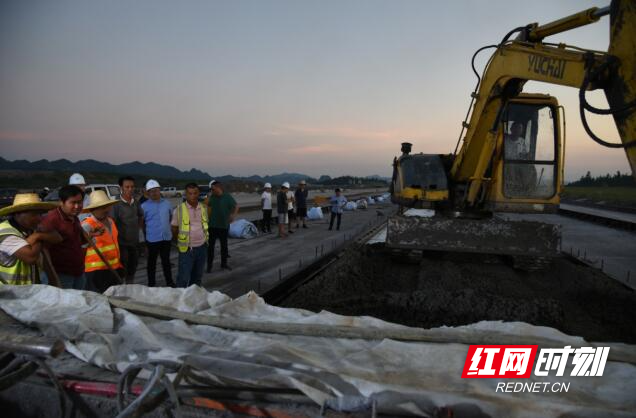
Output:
x=78 y=180
x=157 y=215
x=266 y=204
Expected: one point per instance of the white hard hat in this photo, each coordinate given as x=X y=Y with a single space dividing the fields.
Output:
x=286 y=185
x=152 y=184
x=268 y=186
x=76 y=179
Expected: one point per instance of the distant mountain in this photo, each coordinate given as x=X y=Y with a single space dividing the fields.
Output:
x=93 y=166
x=160 y=171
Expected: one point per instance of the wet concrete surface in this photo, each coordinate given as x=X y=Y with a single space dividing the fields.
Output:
x=459 y=289
x=258 y=263
x=610 y=249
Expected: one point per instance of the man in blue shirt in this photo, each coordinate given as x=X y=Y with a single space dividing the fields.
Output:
x=157 y=217
x=337 y=204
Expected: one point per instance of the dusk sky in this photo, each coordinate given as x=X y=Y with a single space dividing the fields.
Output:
x=262 y=87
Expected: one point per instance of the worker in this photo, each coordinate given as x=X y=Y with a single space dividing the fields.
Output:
x=190 y=228
x=266 y=204
x=291 y=201
x=300 y=197
x=77 y=179
x=336 y=204
x=223 y=210
x=20 y=243
x=156 y=217
x=519 y=178
x=44 y=192
x=105 y=247
x=67 y=256
x=516 y=146
x=281 y=209
x=128 y=217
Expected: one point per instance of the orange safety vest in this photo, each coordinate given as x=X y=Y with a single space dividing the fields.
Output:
x=107 y=245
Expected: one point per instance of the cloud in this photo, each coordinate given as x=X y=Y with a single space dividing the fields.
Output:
x=320 y=149
x=346 y=132
x=17 y=136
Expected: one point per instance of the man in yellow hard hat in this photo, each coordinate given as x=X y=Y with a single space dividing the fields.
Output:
x=20 y=243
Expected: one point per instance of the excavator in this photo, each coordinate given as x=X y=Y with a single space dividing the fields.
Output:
x=511 y=158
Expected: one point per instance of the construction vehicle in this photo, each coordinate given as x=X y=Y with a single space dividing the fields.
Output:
x=511 y=157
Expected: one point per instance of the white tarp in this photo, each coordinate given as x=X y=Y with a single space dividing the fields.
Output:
x=402 y=377
x=242 y=228
x=361 y=204
x=315 y=213
x=351 y=206
x=420 y=213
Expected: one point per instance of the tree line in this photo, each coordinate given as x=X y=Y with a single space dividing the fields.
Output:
x=617 y=179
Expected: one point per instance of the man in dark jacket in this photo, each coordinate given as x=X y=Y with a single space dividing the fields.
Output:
x=281 y=209
x=300 y=195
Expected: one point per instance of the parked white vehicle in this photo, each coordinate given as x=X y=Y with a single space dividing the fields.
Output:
x=171 y=192
x=112 y=190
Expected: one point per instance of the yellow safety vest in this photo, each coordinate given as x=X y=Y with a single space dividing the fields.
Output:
x=19 y=273
x=183 y=238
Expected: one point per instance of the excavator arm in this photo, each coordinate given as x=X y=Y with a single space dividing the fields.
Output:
x=528 y=58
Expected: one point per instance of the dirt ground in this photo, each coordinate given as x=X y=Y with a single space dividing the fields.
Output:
x=461 y=289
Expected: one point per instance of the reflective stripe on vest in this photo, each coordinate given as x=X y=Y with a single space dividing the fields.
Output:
x=19 y=273
x=183 y=238
x=107 y=245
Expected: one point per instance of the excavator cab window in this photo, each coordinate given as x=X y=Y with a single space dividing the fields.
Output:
x=530 y=149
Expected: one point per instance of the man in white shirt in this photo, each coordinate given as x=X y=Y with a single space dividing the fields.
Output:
x=266 y=204
x=291 y=199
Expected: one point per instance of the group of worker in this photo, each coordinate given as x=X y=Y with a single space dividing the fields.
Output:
x=92 y=242
x=292 y=206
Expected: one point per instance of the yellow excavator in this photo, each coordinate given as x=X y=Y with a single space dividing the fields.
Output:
x=512 y=143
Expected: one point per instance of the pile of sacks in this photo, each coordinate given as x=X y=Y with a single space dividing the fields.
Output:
x=315 y=213
x=242 y=228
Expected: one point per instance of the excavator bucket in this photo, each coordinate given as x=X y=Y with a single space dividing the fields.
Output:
x=488 y=236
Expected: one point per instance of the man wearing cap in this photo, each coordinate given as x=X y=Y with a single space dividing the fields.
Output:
x=20 y=244
x=157 y=215
x=128 y=217
x=67 y=256
x=105 y=248
x=281 y=209
x=266 y=204
x=223 y=209
x=300 y=196
x=190 y=228
x=77 y=179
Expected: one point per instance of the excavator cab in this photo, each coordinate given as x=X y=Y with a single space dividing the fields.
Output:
x=527 y=167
